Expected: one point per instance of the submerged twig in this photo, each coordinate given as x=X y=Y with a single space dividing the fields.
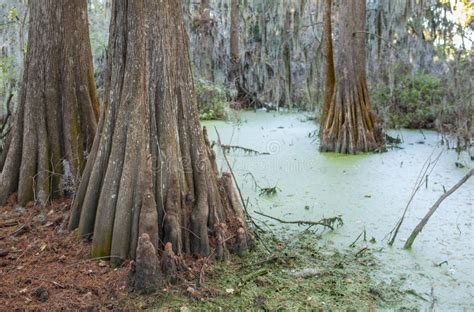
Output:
x=357 y=239
x=267 y=191
x=326 y=222
x=423 y=222
x=246 y=150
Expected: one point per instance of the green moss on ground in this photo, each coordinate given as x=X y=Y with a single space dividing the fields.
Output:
x=303 y=275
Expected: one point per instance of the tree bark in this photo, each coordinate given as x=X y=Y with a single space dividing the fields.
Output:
x=286 y=59
x=57 y=111
x=347 y=122
x=330 y=75
x=204 y=27
x=234 y=70
x=151 y=169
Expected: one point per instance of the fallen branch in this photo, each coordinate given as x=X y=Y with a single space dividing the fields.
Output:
x=21 y=230
x=357 y=239
x=423 y=222
x=268 y=191
x=56 y=284
x=426 y=169
x=247 y=215
x=326 y=222
x=360 y=252
x=8 y=223
x=271 y=259
x=263 y=190
x=246 y=150
x=253 y=275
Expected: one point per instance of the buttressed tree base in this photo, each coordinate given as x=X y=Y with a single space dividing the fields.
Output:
x=57 y=112
x=151 y=169
x=347 y=123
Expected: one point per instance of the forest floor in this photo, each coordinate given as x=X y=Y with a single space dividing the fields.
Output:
x=43 y=267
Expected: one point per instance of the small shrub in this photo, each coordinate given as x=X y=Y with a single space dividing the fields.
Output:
x=414 y=102
x=211 y=99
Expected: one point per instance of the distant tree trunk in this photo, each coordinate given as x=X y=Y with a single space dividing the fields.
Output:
x=347 y=122
x=203 y=28
x=151 y=169
x=330 y=75
x=234 y=70
x=57 y=110
x=286 y=58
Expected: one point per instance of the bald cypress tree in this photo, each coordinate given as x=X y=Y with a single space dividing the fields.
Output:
x=347 y=121
x=57 y=112
x=151 y=169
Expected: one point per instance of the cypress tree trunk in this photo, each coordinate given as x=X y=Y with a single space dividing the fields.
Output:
x=55 y=122
x=203 y=30
x=151 y=170
x=286 y=59
x=347 y=122
x=234 y=70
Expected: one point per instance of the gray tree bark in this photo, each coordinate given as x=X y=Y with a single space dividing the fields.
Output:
x=55 y=122
x=151 y=169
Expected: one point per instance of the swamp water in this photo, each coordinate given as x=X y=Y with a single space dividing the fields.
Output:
x=370 y=192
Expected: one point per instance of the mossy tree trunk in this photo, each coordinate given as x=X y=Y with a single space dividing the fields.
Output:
x=55 y=122
x=151 y=170
x=347 y=122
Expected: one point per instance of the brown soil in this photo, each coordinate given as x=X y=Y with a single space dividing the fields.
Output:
x=44 y=268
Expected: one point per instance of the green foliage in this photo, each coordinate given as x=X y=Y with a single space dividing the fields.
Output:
x=13 y=14
x=8 y=73
x=414 y=102
x=211 y=99
x=254 y=32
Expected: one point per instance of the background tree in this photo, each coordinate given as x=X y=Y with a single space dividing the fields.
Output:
x=234 y=70
x=203 y=33
x=347 y=122
x=57 y=109
x=151 y=169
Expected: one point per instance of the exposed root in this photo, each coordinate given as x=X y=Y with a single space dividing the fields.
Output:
x=144 y=274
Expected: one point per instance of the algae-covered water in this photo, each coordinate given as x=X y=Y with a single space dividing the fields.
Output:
x=370 y=192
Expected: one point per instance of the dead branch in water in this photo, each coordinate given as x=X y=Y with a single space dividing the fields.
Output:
x=247 y=215
x=423 y=222
x=426 y=170
x=268 y=191
x=326 y=222
x=246 y=150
